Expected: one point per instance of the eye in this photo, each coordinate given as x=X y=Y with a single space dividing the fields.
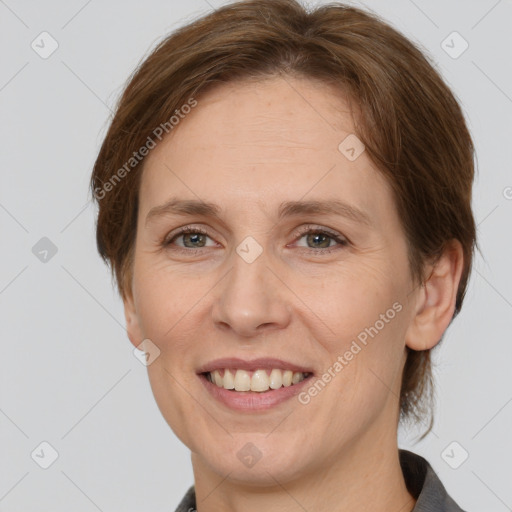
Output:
x=191 y=238
x=321 y=239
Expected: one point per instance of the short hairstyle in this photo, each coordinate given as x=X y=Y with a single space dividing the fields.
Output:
x=408 y=119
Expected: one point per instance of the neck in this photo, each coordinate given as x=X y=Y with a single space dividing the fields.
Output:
x=359 y=478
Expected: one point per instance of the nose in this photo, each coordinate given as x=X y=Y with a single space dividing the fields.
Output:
x=251 y=299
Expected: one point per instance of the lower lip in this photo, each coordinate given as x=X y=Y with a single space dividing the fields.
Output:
x=253 y=400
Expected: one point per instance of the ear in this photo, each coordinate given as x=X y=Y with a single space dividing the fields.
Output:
x=436 y=299
x=133 y=328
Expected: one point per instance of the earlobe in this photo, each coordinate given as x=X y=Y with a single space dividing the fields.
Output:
x=132 y=321
x=436 y=299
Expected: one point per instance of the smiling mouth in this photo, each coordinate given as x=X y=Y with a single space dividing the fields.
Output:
x=260 y=381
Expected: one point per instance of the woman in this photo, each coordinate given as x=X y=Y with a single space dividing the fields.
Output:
x=284 y=200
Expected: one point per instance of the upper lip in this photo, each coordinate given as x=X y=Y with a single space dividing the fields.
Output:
x=261 y=363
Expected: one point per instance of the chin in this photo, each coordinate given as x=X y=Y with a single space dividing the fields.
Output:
x=257 y=459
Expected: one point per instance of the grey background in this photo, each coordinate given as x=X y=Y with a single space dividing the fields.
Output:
x=68 y=373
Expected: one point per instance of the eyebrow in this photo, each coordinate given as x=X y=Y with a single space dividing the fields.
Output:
x=185 y=207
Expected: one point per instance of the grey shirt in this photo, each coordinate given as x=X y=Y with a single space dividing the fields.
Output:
x=421 y=480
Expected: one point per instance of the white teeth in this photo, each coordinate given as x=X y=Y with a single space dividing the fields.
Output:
x=242 y=381
x=276 y=379
x=217 y=378
x=260 y=381
x=229 y=380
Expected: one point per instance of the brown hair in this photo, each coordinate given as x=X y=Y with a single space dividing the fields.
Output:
x=411 y=124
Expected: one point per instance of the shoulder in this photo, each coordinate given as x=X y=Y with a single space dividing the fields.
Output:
x=424 y=484
x=188 y=503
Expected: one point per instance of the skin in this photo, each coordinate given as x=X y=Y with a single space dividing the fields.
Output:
x=247 y=147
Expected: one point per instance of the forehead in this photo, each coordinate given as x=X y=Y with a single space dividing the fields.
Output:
x=262 y=140
x=278 y=113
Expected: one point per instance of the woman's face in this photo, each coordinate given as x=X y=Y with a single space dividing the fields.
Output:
x=294 y=255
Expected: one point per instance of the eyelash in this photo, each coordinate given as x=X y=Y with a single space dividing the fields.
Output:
x=306 y=230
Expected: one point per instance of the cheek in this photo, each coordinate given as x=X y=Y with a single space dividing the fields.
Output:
x=363 y=373
x=362 y=333
x=165 y=300
x=350 y=298
x=167 y=306
x=376 y=322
